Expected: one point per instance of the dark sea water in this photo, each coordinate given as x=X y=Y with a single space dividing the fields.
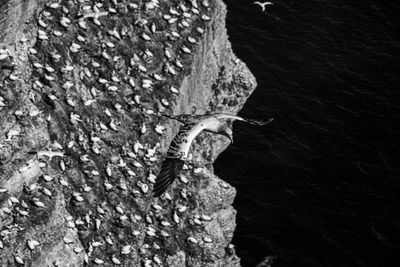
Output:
x=321 y=185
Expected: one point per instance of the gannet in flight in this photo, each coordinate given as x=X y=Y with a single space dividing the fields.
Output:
x=262 y=5
x=179 y=148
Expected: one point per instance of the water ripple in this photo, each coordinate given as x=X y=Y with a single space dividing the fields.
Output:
x=319 y=186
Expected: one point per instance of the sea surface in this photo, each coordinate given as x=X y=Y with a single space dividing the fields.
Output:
x=320 y=186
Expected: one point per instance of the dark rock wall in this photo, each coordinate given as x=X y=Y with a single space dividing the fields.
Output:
x=80 y=142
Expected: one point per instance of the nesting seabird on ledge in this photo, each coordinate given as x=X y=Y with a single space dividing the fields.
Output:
x=179 y=148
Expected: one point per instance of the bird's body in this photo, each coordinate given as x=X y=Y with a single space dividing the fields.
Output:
x=262 y=5
x=180 y=145
x=178 y=150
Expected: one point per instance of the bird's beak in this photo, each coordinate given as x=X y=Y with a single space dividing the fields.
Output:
x=228 y=134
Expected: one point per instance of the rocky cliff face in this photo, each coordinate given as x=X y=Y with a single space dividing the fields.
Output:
x=81 y=83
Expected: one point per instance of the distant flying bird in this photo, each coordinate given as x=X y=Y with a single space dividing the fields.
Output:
x=179 y=148
x=262 y=5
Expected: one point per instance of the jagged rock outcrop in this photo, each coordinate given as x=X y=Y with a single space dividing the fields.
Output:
x=80 y=141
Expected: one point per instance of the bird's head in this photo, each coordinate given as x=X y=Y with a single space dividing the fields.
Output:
x=226 y=131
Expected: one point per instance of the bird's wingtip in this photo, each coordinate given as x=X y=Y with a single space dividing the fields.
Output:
x=268 y=121
x=156 y=194
x=260 y=122
x=169 y=170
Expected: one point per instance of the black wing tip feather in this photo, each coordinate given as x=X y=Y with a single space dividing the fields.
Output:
x=169 y=171
x=260 y=123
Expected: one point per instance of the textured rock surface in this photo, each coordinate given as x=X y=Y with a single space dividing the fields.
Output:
x=78 y=149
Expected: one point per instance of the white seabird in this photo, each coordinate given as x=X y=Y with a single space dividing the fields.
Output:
x=262 y=5
x=179 y=148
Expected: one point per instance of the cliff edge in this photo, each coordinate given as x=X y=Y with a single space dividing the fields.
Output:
x=81 y=83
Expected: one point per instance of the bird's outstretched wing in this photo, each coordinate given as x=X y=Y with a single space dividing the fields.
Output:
x=183 y=118
x=175 y=159
x=235 y=117
x=190 y=119
x=257 y=122
x=170 y=169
